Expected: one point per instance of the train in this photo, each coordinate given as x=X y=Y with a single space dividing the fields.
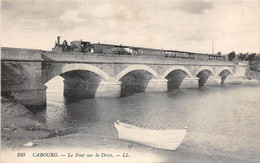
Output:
x=110 y=49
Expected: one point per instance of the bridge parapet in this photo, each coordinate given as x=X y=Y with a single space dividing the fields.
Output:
x=73 y=57
x=17 y=54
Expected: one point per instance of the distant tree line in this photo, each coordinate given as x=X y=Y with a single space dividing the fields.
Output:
x=242 y=56
x=252 y=58
x=231 y=56
x=255 y=63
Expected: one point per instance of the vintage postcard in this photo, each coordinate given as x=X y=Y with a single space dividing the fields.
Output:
x=130 y=81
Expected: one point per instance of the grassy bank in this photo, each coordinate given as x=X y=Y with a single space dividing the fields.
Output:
x=254 y=69
x=252 y=74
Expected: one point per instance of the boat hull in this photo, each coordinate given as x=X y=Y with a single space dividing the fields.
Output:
x=164 y=139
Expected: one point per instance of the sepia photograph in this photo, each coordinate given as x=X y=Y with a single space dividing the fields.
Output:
x=130 y=81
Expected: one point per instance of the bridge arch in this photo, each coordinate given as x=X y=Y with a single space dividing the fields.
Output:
x=205 y=68
x=136 y=67
x=224 y=72
x=177 y=68
x=225 y=68
x=77 y=66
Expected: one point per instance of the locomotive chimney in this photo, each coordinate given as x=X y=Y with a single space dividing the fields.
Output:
x=58 y=38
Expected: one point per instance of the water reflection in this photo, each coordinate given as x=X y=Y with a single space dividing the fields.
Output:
x=57 y=116
x=225 y=117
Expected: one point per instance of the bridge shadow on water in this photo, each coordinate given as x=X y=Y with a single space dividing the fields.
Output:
x=134 y=82
x=203 y=77
x=175 y=79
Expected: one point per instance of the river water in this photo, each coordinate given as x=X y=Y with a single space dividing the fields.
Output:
x=225 y=118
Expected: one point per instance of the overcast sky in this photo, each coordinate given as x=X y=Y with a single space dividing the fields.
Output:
x=180 y=25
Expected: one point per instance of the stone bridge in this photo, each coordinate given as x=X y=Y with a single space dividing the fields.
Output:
x=26 y=71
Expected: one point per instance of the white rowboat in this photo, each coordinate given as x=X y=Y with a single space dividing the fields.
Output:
x=164 y=139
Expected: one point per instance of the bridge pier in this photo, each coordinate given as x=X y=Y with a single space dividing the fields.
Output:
x=190 y=82
x=213 y=80
x=21 y=78
x=157 y=85
x=109 y=89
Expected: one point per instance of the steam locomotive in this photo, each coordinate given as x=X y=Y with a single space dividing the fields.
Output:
x=75 y=46
x=109 y=49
